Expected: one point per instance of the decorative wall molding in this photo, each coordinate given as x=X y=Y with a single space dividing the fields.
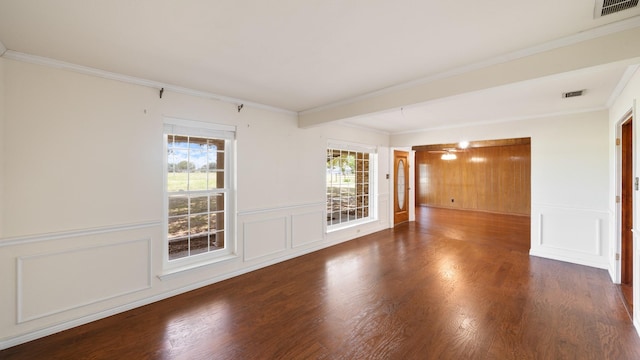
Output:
x=597 y=250
x=385 y=210
x=575 y=235
x=21 y=240
x=624 y=80
x=281 y=208
x=119 y=308
x=39 y=60
x=71 y=274
x=49 y=330
x=307 y=228
x=540 y=226
x=569 y=208
x=569 y=258
x=505 y=120
x=265 y=237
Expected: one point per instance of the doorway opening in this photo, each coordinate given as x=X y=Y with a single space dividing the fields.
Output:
x=400 y=187
x=489 y=175
x=626 y=213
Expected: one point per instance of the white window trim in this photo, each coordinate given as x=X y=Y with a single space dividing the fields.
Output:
x=202 y=129
x=373 y=183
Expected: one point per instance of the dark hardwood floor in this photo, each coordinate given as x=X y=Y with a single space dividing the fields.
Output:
x=453 y=285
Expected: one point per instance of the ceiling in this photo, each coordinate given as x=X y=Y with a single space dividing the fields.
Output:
x=303 y=55
x=517 y=101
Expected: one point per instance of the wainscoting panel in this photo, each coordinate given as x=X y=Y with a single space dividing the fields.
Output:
x=384 y=210
x=571 y=232
x=568 y=234
x=54 y=282
x=264 y=237
x=307 y=228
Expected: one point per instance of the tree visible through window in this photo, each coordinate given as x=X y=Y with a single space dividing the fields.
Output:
x=196 y=195
x=348 y=175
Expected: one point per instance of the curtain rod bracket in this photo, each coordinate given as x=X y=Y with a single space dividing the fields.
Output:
x=161 y=91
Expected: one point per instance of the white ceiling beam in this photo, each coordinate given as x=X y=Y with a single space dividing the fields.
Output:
x=592 y=51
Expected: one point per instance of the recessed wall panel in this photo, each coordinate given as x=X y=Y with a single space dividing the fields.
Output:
x=307 y=228
x=264 y=237
x=573 y=230
x=55 y=282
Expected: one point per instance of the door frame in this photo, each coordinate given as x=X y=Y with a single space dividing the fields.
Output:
x=617 y=248
x=616 y=269
x=626 y=202
x=390 y=182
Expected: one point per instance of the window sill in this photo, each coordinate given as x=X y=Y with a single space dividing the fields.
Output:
x=172 y=272
x=350 y=224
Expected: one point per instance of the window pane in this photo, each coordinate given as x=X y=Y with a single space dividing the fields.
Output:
x=199 y=204
x=347 y=178
x=216 y=221
x=199 y=244
x=216 y=144
x=216 y=180
x=216 y=202
x=198 y=154
x=178 y=205
x=178 y=227
x=199 y=224
x=198 y=143
x=178 y=249
x=217 y=240
x=219 y=156
x=212 y=161
x=177 y=182
x=196 y=195
x=197 y=181
x=177 y=170
x=215 y=153
x=181 y=141
x=180 y=157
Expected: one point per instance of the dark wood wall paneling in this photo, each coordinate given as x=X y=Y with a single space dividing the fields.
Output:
x=485 y=177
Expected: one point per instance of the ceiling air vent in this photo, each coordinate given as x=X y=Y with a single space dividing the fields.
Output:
x=606 y=7
x=573 y=93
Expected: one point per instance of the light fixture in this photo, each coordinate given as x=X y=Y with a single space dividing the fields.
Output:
x=448 y=156
x=463 y=144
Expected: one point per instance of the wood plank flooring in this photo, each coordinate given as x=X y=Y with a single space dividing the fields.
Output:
x=453 y=285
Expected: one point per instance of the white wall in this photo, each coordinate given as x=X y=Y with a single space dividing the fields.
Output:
x=1 y=139
x=82 y=207
x=625 y=102
x=569 y=180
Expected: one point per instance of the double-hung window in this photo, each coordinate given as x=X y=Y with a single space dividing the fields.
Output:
x=350 y=176
x=198 y=192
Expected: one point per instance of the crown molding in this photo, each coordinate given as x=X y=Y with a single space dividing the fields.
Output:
x=626 y=77
x=44 y=61
x=590 y=34
x=504 y=120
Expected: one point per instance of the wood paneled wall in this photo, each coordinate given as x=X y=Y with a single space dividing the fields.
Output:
x=495 y=179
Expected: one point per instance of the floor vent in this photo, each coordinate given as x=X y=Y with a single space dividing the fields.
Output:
x=606 y=7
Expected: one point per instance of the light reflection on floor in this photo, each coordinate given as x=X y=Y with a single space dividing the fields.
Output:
x=181 y=329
